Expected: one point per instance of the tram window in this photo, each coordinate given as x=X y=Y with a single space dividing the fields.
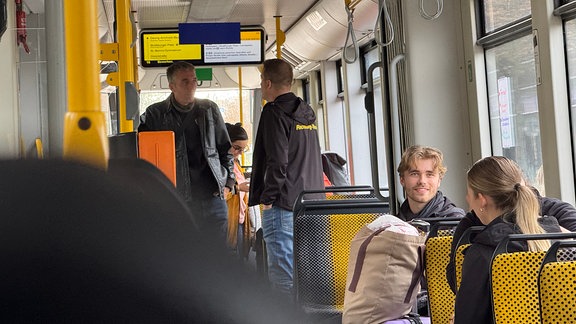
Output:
x=229 y=105
x=306 y=90
x=513 y=101
x=319 y=86
x=370 y=56
x=570 y=41
x=498 y=13
x=340 y=77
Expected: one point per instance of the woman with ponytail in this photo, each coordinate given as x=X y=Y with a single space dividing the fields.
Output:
x=498 y=196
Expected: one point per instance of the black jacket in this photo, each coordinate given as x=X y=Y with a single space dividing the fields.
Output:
x=163 y=116
x=473 y=300
x=439 y=206
x=564 y=213
x=286 y=157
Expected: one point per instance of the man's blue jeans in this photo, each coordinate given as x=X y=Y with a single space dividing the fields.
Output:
x=278 y=230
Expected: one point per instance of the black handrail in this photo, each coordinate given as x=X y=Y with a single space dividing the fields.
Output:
x=369 y=105
x=552 y=252
x=502 y=247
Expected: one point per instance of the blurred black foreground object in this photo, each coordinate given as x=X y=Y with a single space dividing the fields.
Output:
x=79 y=244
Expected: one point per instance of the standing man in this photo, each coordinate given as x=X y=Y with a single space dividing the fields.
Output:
x=286 y=161
x=204 y=166
x=421 y=171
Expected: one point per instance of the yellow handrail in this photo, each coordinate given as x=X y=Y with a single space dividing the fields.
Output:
x=84 y=124
x=280 y=38
x=39 y=148
x=351 y=4
x=125 y=63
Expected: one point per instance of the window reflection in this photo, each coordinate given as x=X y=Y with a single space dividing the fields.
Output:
x=570 y=41
x=514 y=121
x=498 y=13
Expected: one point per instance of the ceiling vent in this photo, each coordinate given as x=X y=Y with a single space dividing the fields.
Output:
x=321 y=32
x=211 y=10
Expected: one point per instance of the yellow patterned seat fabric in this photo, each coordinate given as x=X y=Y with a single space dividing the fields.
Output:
x=558 y=292
x=440 y=296
x=459 y=260
x=321 y=250
x=514 y=283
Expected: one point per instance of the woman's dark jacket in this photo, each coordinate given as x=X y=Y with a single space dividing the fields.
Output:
x=286 y=157
x=473 y=300
x=564 y=213
x=163 y=116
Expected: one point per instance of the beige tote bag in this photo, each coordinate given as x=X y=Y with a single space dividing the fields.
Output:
x=383 y=278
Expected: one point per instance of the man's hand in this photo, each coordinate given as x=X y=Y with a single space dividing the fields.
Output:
x=244 y=186
x=226 y=191
x=266 y=207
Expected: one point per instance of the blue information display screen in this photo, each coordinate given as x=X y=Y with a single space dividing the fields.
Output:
x=161 y=47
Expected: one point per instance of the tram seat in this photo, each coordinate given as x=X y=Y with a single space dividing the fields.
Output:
x=323 y=231
x=514 y=280
x=461 y=246
x=458 y=262
x=440 y=296
x=339 y=193
x=123 y=145
x=80 y=244
x=556 y=283
x=145 y=179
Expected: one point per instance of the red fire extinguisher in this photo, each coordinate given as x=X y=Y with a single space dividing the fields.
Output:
x=21 y=26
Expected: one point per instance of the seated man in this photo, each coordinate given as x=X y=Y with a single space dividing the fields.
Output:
x=421 y=171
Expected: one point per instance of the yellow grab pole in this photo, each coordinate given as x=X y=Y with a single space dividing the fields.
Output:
x=351 y=4
x=280 y=38
x=125 y=63
x=84 y=123
x=39 y=149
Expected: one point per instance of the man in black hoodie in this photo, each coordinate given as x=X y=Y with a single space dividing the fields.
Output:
x=286 y=161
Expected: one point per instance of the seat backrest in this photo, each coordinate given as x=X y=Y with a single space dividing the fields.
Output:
x=557 y=287
x=458 y=262
x=461 y=246
x=514 y=283
x=514 y=280
x=557 y=291
x=352 y=193
x=322 y=237
x=79 y=244
x=440 y=296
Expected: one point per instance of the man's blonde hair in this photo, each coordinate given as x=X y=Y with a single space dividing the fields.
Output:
x=418 y=152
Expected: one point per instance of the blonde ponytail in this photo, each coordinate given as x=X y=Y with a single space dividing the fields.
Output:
x=527 y=209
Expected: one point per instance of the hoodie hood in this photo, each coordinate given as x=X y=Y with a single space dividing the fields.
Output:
x=295 y=108
x=500 y=228
x=439 y=206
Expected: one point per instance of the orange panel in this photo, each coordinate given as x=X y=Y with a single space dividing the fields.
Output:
x=158 y=148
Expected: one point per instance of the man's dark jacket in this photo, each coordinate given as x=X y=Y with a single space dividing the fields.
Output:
x=163 y=116
x=286 y=157
x=439 y=206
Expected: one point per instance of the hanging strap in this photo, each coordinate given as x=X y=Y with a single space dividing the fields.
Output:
x=416 y=275
x=360 y=259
